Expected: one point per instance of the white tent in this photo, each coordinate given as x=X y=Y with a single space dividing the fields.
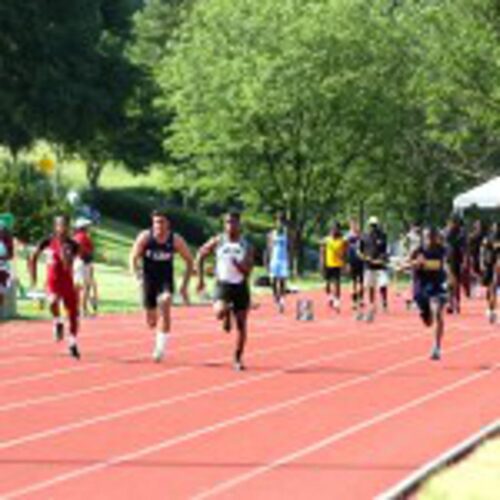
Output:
x=484 y=196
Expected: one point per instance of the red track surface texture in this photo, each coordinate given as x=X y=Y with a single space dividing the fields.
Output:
x=327 y=409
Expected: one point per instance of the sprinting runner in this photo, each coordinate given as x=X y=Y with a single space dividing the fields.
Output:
x=332 y=255
x=455 y=243
x=278 y=243
x=428 y=261
x=6 y=255
x=356 y=267
x=474 y=243
x=61 y=252
x=375 y=255
x=234 y=262
x=491 y=270
x=85 y=280
x=152 y=262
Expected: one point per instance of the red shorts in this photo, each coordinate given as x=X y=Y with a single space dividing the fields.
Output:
x=65 y=291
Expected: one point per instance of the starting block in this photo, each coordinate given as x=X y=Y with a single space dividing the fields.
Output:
x=305 y=310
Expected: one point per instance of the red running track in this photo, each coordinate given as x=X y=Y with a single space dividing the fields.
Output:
x=328 y=409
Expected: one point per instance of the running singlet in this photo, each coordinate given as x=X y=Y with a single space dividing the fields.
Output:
x=491 y=252
x=86 y=246
x=279 y=249
x=335 y=249
x=60 y=256
x=226 y=252
x=432 y=272
x=158 y=260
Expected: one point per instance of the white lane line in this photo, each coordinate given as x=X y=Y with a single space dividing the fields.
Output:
x=162 y=403
x=223 y=424
x=345 y=433
x=147 y=378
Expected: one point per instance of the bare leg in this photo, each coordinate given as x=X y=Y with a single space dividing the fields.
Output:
x=241 y=324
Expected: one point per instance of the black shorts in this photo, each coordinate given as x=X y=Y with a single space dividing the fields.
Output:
x=151 y=291
x=236 y=296
x=333 y=273
x=357 y=272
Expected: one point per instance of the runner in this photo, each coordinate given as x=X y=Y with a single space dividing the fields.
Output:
x=474 y=243
x=375 y=255
x=6 y=255
x=455 y=243
x=278 y=243
x=428 y=261
x=356 y=267
x=152 y=262
x=61 y=252
x=412 y=241
x=85 y=281
x=491 y=270
x=332 y=256
x=234 y=262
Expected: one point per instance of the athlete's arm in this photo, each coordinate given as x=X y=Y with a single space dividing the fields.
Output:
x=137 y=252
x=34 y=260
x=245 y=267
x=206 y=250
x=182 y=249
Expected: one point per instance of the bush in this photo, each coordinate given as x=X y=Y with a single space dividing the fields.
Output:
x=30 y=196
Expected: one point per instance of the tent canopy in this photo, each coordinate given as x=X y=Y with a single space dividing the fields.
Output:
x=484 y=196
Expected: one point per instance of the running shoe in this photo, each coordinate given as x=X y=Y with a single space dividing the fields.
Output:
x=58 y=332
x=74 y=351
x=436 y=353
x=492 y=316
x=370 y=316
x=239 y=366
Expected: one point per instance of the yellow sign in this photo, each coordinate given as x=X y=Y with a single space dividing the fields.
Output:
x=46 y=165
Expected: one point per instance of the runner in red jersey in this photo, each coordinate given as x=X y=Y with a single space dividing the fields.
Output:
x=61 y=251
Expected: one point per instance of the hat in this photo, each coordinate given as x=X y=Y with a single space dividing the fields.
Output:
x=82 y=222
x=373 y=221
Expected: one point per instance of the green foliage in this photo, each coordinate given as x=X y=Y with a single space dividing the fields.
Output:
x=30 y=196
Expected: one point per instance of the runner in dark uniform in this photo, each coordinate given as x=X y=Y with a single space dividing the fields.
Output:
x=491 y=270
x=356 y=267
x=428 y=261
x=455 y=243
x=152 y=262
x=474 y=244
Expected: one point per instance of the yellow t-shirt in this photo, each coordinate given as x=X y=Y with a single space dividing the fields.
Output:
x=335 y=250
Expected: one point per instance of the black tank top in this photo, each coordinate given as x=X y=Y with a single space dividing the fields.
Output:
x=158 y=260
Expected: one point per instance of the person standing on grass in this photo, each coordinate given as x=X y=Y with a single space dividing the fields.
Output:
x=6 y=255
x=84 y=269
x=234 y=262
x=278 y=244
x=491 y=270
x=61 y=251
x=152 y=262
x=374 y=252
x=332 y=258
x=356 y=267
x=429 y=264
x=455 y=242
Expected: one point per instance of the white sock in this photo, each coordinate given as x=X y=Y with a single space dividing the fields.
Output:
x=58 y=321
x=161 y=340
x=72 y=340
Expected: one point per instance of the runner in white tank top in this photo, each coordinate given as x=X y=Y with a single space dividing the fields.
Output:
x=234 y=262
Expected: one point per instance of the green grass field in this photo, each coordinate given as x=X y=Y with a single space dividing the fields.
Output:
x=475 y=478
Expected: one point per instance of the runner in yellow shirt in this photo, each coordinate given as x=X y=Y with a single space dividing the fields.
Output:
x=333 y=254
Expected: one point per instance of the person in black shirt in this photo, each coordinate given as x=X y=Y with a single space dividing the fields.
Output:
x=455 y=243
x=155 y=249
x=374 y=252
x=428 y=262
x=474 y=244
x=491 y=270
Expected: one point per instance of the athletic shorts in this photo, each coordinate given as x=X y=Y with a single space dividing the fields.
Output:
x=65 y=292
x=152 y=290
x=279 y=270
x=357 y=272
x=237 y=296
x=376 y=278
x=333 y=273
x=82 y=273
x=430 y=292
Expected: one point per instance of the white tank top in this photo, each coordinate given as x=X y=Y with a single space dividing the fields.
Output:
x=228 y=250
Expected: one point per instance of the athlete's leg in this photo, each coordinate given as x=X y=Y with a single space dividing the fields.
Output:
x=163 y=323
x=241 y=324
